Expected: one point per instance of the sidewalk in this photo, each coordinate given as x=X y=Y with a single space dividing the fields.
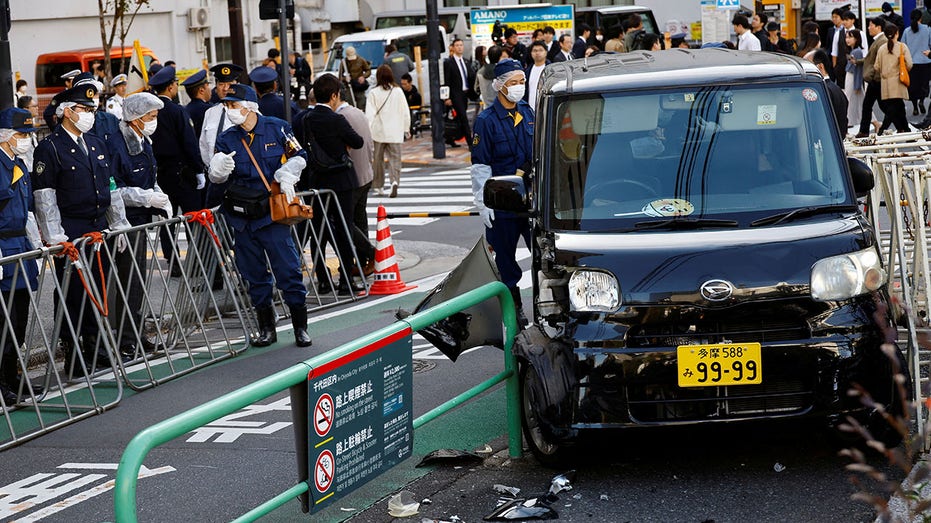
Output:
x=419 y=151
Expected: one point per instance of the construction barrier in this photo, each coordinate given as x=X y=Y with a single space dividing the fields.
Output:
x=898 y=210
x=138 y=448
x=118 y=308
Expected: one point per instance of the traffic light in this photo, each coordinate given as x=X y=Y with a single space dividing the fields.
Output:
x=268 y=9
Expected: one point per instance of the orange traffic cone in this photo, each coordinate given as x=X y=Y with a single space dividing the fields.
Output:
x=387 y=275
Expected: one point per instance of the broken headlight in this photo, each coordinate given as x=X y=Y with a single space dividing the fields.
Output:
x=593 y=291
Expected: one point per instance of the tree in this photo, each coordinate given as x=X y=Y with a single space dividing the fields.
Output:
x=116 y=17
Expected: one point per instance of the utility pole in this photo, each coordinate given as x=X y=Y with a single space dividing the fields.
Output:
x=285 y=69
x=6 y=66
x=237 y=40
x=433 y=58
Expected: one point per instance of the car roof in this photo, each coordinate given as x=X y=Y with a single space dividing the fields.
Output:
x=383 y=34
x=674 y=67
x=612 y=9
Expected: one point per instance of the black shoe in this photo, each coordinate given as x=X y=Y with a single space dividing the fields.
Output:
x=149 y=347
x=325 y=286
x=267 y=334
x=299 y=322
x=914 y=109
x=176 y=270
x=352 y=288
x=128 y=352
x=9 y=397
x=394 y=188
x=921 y=106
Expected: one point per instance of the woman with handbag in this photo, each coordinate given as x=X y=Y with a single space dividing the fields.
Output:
x=389 y=119
x=253 y=149
x=893 y=61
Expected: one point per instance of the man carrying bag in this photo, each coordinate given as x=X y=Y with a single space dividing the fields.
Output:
x=253 y=146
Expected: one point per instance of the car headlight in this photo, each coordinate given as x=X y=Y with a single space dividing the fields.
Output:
x=848 y=275
x=591 y=291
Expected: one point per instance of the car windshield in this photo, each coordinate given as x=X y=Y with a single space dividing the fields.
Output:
x=373 y=51
x=738 y=153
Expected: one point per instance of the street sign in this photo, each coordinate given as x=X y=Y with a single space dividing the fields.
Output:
x=522 y=19
x=360 y=415
x=728 y=4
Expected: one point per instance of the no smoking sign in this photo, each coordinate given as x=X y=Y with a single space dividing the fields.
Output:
x=323 y=415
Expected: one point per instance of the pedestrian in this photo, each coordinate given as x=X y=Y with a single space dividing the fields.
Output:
x=635 y=31
x=332 y=134
x=72 y=181
x=581 y=43
x=893 y=91
x=115 y=102
x=355 y=72
x=255 y=146
x=853 y=83
x=534 y=72
x=503 y=146
x=840 y=50
x=890 y=15
x=485 y=75
x=225 y=75
x=411 y=94
x=456 y=72
x=389 y=119
x=180 y=169
x=21 y=88
x=135 y=174
x=479 y=60
x=780 y=44
x=399 y=62
x=871 y=76
x=198 y=91
x=17 y=281
x=810 y=42
x=758 y=25
x=362 y=159
x=836 y=95
x=918 y=39
x=549 y=35
x=515 y=49
x=271 y=103
x=615 y=44
x=565 y=51
x=746 y=40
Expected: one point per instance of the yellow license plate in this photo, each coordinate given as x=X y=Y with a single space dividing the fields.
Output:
x=720 y=364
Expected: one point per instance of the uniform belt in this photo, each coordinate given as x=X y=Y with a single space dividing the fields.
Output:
x=12 y=234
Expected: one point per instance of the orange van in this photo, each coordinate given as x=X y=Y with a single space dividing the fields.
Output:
x=50 y=67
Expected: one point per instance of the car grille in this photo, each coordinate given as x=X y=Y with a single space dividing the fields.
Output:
x=765 y=330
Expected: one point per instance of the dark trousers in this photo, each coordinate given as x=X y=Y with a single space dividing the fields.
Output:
x=274 y=241
x=127 y=303
x=871 y=96
x=78 y=304
x=360 y=200
x=507 y=230
x=344 y=242
x=13 y=334
x=182 y=195
x=461 y=106
x=895 y=115
x=919 y=76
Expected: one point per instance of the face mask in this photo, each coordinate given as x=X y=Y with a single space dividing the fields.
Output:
x=235 y=116
x=149 y=127
x=515 y=93
x=23 y=146
x=599 y=37
x=85 y=122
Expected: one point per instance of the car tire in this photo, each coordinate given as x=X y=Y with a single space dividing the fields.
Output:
x=545 y=449
x=895 y=405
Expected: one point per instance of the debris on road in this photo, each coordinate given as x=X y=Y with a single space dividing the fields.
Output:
x=402 y=505
x=449 y=457
x=522 y=509
x=603 y=497
x=504 y=489
x=559 y=483
x=779 y=467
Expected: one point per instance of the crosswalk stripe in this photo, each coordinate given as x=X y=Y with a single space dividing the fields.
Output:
x=406 y=191
x=448 y=190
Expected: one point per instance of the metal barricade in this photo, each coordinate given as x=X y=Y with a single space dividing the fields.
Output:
x=898 y=210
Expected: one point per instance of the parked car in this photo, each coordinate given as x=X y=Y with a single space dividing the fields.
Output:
x=698 y=252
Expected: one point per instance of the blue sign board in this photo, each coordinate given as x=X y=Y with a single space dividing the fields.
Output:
x=522 y=19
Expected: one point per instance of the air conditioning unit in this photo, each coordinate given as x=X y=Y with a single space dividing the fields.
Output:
x=198 y=18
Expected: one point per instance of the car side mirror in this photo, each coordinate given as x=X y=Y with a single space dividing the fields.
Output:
x=862 y=176
x=505 y=193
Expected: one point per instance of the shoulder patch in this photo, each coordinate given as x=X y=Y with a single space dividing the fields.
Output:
x=40 y=167
x=475 y=139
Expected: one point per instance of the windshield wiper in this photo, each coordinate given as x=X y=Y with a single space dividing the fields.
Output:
x=684 y=223
x=803 y=211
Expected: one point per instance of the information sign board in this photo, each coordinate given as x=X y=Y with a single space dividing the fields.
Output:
x=522 y=19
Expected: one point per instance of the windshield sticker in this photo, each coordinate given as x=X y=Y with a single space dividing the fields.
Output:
x=809 y=94
x=668 y=207
x=766 y=115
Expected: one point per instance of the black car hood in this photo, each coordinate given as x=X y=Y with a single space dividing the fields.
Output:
x=670 y=267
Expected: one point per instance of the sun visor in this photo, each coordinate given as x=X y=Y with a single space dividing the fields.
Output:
x=755 y=109
x=614 y=115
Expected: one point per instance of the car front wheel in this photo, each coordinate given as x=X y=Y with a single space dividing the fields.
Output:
x=545 y=449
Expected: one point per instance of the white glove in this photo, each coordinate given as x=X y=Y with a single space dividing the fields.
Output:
x=119 y=241
x=157 y=200
x=488 y=216
x=290 y=171
x=201 y=181
x=480 y=174
x=116 y=212
x=221 y=165
x=48 y=216
x=288 y=190
x=168 y=208
x=32 y=231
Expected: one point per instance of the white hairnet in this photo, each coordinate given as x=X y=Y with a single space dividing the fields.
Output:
x=60 y=110
x=6 y=134
x=137 y=105
x=499 y=81
x=252 y=106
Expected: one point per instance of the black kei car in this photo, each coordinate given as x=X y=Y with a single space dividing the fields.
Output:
x=698 y=253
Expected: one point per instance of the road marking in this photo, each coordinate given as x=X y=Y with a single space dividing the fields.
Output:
x=228 y=430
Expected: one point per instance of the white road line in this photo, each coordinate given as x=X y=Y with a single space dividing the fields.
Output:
x=405 y=190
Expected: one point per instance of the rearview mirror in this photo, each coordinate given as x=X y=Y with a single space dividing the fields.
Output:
x=862 y=176
x=505 y=193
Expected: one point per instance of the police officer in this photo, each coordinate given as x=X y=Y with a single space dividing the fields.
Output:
x=215 y=121
x=180 y=170
x=134 y=170
x=265 y=80
x=16 y=280
x=269 y=141
x=105 y=123
x=71 y=181
x=49 y=113
x=115 y=103
x=502 y=145
x=198 y=90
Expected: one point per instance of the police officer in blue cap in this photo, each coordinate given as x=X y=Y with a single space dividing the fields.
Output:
x=502 y=145
x=261 y=142
x=49 y=113
x=265 y=80
x=16 y=280
x=215 y=122
x=180 y=169
x=72 y=180
x=198 y=90
x=105 y=123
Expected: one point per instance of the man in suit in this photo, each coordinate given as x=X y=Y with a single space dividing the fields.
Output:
x=581 y=43
x=839 y=50
x=459 y=79
x=565 y=49
x=552 y=47
x=831 y=38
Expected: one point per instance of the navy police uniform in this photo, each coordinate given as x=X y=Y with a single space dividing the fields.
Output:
x=271 y=103
x=196 y=107
x=503 y=140
x=256 y=238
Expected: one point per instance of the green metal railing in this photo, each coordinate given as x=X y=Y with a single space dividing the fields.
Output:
x=124 y=497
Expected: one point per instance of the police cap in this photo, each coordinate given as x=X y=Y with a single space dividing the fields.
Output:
x=200 y=77
x=71 y=74
x=119 y=79
x=226 y=72
x=240 y=93
x=85 y=94
x=20 y=120
x=163 y=77
x=263 y=74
